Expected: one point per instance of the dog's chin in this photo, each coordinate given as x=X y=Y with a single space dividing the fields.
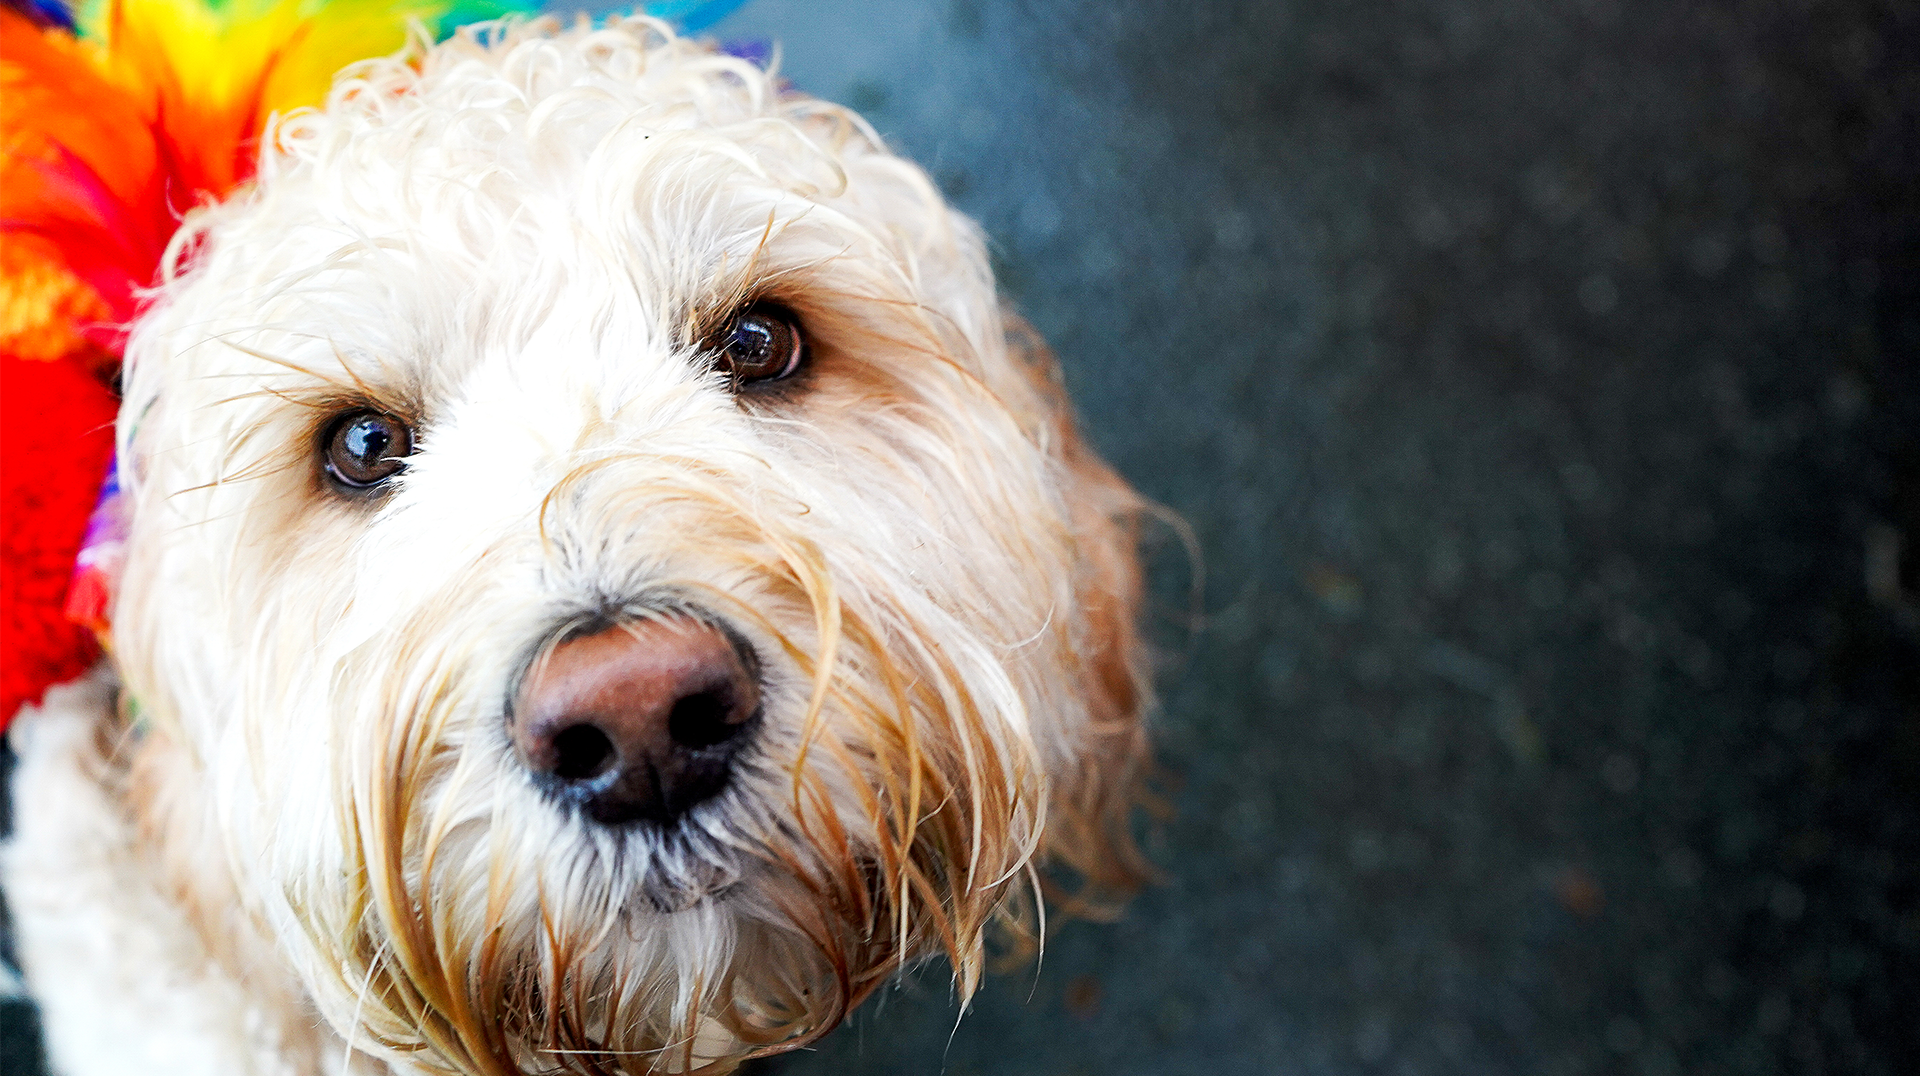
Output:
x=688 y=867
x=666 y=867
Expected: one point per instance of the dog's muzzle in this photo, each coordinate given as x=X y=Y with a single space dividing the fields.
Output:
x=637 y=722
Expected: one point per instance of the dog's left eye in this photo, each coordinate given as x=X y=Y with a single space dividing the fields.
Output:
x=761 y=343
x=365 y=448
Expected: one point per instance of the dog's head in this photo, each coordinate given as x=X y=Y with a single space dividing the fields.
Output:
x=622 y=585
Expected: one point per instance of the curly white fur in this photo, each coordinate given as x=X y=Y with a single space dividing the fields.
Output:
x=513 y=239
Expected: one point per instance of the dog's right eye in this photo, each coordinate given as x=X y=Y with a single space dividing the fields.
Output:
x=759 y=344
x=365 y=448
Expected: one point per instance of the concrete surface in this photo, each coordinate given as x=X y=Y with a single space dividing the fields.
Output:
x=1540 y=380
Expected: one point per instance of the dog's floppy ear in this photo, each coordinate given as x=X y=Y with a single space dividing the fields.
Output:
x=1089 y=814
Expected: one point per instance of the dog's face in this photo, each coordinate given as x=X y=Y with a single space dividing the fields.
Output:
x=616 y=582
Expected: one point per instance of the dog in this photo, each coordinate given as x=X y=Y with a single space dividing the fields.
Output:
x=608 y=586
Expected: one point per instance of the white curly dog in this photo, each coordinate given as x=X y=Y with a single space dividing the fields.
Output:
x=608 y=587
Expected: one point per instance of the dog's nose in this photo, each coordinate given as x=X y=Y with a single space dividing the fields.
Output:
x=639 y=721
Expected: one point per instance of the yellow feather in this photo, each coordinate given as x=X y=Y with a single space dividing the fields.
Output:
x=262 y=55
x=41 y=303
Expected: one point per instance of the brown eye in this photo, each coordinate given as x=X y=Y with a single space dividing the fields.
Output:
x=365 y=448
x=761 y=343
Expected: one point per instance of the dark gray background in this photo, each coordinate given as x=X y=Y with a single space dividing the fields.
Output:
x=1539 y=379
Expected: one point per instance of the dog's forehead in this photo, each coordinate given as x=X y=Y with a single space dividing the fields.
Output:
x=596 y=185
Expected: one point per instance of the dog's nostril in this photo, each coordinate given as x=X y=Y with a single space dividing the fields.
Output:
x=700 y=720
x=582 y=753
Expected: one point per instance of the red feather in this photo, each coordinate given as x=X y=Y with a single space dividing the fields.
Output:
x=56 y=435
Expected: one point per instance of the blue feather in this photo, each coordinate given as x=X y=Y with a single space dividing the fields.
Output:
x=43 y=12
x=692 y=16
